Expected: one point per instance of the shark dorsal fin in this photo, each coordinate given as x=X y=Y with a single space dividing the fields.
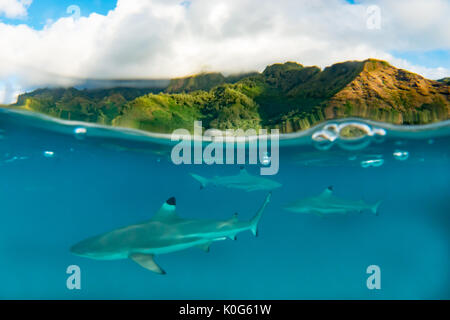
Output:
x=328 y=192
x=167 y=211
x=234 y=218
x=243 y=171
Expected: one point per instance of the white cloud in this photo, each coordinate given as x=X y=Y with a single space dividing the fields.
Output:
x=162 y=38
x=14 y=8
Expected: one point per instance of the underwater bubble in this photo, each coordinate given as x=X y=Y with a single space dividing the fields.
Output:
x=378 y=135
x=372 y=163
x=322 y=141
x=49 y=154
x=324 y=138
x=80 y=132
x=352 y=135
x=352 y=158
x=354 y=130
x=324 y=135
x=266 y=159
x=331 y=127
x=401 y=155
x=15 y=158
x=378 y=132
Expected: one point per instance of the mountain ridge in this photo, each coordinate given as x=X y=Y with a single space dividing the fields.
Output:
x=287 y=96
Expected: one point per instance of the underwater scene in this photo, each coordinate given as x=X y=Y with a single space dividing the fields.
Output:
x=339 y=209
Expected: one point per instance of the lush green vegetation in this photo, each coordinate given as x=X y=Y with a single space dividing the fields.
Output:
x=445 y=80
x=202 y=81
x=287 y=96
x=100 y=105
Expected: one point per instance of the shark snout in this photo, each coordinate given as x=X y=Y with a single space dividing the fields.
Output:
x=277 y=185
x=81 y=249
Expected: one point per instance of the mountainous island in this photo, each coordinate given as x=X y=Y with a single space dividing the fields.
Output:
x=287 y=96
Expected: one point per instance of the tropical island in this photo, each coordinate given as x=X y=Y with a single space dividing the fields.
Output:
x=288 y=96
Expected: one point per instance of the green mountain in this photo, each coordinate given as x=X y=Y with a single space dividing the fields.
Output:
x=95 y=105
x=202 y=81
x=287 y=96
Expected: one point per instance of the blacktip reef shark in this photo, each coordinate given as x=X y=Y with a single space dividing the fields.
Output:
x=327 y=204
x=166 y=232
x=243 y=181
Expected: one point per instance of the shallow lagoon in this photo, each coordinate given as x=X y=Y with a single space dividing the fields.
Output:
x=60 y=186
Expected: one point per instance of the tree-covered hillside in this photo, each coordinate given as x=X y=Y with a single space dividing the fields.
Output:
x=287 y=96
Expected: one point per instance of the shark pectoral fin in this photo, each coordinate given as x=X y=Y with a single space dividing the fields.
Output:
x=203 y=181
x=146 y=261
x=205 y=246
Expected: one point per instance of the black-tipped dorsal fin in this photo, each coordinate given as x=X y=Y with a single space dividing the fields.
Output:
x=167 y=211
x=328 y=192
x=234 y=218
x=242 y=170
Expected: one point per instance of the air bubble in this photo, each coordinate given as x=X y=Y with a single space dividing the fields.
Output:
x=372 y=163
x=266 y=159
x=80 y=132
x=348 y=135
x=401 y=155
x=49 y=154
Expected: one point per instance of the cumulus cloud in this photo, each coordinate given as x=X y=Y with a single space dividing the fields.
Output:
x=170 y=38
x=14 y=8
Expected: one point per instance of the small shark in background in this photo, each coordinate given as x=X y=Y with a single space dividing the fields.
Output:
x=243 y=181
x=166 y=232
x=327 y=204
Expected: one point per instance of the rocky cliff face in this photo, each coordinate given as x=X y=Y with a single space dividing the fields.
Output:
x=390 y=94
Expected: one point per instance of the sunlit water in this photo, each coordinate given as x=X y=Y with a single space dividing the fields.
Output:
x=61 y=183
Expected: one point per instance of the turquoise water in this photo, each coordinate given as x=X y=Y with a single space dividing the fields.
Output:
x=59 y=187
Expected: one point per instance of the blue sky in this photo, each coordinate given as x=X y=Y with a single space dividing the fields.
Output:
x=43 y=46
x=430 y=59
x=40 y=11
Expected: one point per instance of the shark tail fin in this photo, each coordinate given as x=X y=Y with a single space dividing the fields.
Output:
x=255 y=220
x=375 y=208
x=203 y=181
